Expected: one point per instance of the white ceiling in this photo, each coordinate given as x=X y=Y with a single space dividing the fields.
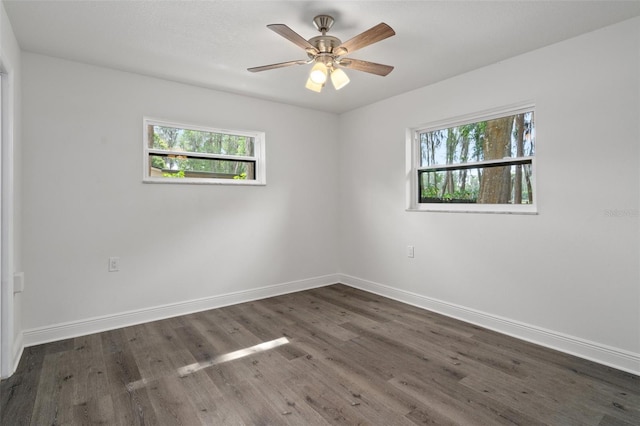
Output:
x=212 y=43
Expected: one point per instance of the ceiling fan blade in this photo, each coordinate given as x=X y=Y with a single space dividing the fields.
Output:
x=293 y=37
x=372 y=35
x=278 y=65
x=366 y=66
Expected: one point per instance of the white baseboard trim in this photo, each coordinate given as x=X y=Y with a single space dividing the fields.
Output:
x=602 y=354
x=18 y=348
x=87 y=326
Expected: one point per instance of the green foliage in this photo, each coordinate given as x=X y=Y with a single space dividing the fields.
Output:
x=430 y=192
x=464 y=195
x=177 y=174
x=158 y=162
x=196 y=141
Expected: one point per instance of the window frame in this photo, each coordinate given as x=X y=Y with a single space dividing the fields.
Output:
x=258 y=157
x=413 y=166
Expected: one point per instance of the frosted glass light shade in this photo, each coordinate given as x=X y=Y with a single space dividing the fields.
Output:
x=316 y=87
x=339 y=78
x=318 y=73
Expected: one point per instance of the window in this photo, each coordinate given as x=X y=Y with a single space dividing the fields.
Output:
x=481 y=163
x=178 y=153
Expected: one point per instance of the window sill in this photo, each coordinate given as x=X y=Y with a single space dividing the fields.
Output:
x=187 y=181
x=465 y=208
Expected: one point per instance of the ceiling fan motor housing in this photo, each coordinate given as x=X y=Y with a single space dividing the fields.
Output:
x=325 y=43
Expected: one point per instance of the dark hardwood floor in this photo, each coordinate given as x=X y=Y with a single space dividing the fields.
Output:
x=349 y=358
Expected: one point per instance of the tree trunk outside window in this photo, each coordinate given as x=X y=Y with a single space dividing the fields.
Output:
x=495 y=187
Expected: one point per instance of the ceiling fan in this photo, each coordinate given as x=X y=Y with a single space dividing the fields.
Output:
x=327 y=53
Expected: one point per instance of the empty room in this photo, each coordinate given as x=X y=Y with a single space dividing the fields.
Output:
x=320 y=213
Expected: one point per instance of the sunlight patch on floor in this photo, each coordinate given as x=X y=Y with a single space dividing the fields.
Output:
x=192 y=368
x=188 y=369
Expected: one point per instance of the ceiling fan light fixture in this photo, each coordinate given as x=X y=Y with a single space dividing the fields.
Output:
x=311 y=85
x=318 y=73
x=339 y=78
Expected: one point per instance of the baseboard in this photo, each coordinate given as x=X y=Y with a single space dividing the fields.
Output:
x=87 y=326
x=602 y=354
x=18 y=348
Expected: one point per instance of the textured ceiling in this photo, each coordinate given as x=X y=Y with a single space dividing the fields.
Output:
x=212 y=43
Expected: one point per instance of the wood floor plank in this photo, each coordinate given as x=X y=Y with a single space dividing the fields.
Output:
x=22 y=388
x=250 y=405
x=350 y=357
x=366 y=374
x=207 y=399
x=272 y=380
x=54 y=399
x=91 y=379
x=455 y=410
x=158 y=352
x=171 y=403
x=448 y=348
x=390 y=308
x=358 y=392
x=266 y=329
x=569 y=363
x=306 y=300
x=119 y=361
x=94 y=411
x=197 y=343
x=613 y=421
x=550 y=410
x=133 y=405
x=322 y=398
x=59 y=346
x=316 y=319
x=349 y=304
x=222 y=331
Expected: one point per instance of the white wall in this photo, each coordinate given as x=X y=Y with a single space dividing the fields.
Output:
x=572 y=270
x=84 y=201
x=10 y=316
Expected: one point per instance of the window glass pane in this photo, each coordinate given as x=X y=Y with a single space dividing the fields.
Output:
x=177 y=139
x=171 y=166
x=505 y=137
x=510 y=184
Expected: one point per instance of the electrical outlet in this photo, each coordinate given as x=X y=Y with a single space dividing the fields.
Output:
x=114 y=264
x=409 y=251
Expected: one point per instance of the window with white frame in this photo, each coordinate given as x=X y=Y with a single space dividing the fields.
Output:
x=484 y=162
x=184 y=153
